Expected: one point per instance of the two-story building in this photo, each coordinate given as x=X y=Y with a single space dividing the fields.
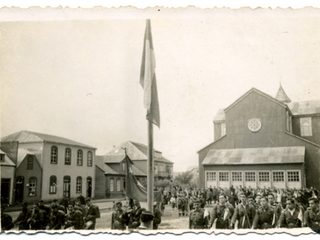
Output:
x=262 y=141
x=49 y=167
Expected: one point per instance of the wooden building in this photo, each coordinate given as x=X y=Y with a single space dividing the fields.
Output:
x=49 y=167
x=7 y=178
x=262 y=141
x=111 y=176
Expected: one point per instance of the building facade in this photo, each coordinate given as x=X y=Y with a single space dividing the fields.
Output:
x=49 y=167
x=262 y=141
x=7 y=178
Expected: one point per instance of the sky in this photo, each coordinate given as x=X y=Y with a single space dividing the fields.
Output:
x=79 y=79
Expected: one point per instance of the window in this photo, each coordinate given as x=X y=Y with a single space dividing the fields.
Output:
x=156 y=170
x=288 y=121
x=118 y=185
x=223 y=129
x=237 y=176
x=67 y=156
x=79 y=185
x=223 y=176
x=278 y=176
x=264 y=177
x=1 y=157
x=53 y=185
x=79 y=157
x=293 y=176
x=111 y=184
x=89 y=159
x=306 y=127
x=123 y=166
x=250 y=176
x=211 y=176
x=30 y=163
x=168 y=169
x=66 y=186
x=32 y=186
x=54 y=155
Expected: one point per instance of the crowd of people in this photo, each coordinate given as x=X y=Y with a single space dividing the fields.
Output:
x=63 y=214
x=210 y=208
x=246 y=208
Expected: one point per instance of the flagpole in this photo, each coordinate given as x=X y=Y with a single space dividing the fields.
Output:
x=150 y=170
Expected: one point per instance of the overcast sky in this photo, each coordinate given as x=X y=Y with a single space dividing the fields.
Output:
x=80 y=79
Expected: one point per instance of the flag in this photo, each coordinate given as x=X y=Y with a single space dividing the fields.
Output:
x=134 y=189
x=148 y=78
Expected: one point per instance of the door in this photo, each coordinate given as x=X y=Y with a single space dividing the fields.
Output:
x=19 y=189
x=66 y=186
x=89 y=187
x=5 y=190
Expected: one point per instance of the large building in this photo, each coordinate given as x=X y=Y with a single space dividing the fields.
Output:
x=262 y=141
x=137 y=152
x=48 y=167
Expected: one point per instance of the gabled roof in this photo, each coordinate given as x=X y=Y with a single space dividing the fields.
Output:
x=28 y=137
x=282 y=96
x=259 y=92
x=136 y=151
x=7 y=160
x=99 y=160
x=245 y=156
x=22 y=153
x=305 y=107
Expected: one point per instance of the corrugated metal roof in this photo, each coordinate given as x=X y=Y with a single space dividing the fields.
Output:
x=7 y=160
x=245 y=156
x=305 y=107
x=27 y=136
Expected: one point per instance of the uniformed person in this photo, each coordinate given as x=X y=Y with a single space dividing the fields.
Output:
x=292 y=216
x=221 y=214
x=312 y=215
x=57 y=218
x=37 y=219
x=244 y=213
x=135 y=214
x=181 y=201
x=197 y=218
x=119 y=217
x=265 y=217
x=92 y=214
x=74 y=218
x=22 y=219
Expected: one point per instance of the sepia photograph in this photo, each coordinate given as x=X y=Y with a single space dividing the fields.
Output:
x=160 y=120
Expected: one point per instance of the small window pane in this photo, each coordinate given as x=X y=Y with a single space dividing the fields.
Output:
x=223 y=176
x=111 y=184
x=30 y=163
x=250 y=176
x=89 y=159
x=293 y=176
x=237 y=176
x=54 y=155
x=67 y=160
x=53 y=184
x=278 y=176
x=79 y=185
x=264 y=177
x=79 y=158
x=211 y=176
x=306 y=126
x=32 y=187
x=118 y=185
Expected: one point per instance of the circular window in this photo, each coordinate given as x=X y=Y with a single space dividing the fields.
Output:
x=254 y=125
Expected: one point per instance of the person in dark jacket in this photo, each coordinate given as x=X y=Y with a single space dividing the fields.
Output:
x=22 y=219
x=57 y=218
x=265 y=216
x=312 y=215
x=244 y=213
x=119 y=217
x=135 y=215
x=74 y=218
x=6 y=220
x=156 y=216
x=292 y=216
x=221 y=214
x=92 y=215
x=37 y=219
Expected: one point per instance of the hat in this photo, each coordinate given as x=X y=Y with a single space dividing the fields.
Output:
x=146 y=216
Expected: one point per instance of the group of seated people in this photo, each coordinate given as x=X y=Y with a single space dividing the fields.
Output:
x=79 y=214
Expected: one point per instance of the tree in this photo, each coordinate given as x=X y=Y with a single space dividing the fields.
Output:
x=184 y=178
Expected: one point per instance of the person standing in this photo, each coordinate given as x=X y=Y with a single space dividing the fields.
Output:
x=244 y=213
x=221 y=214
x=197 y=218
x=119 y=217
x=37 y=219
x=92 y=214
x=156 y=216
x=135 y=215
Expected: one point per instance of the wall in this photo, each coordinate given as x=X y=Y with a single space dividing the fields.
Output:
x=61 y=169
x=8 y=173
x=315 y=127
x=27 y=174
x=100 y=186
x=11 y=149
x=115 y=193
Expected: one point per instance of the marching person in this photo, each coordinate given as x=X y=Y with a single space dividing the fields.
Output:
x=292 y=216
x=221 y=214
x=92 y=214
x=244 y=213
x=181 y=204
x=312 y=215
x=119 y=217
x=265 y=217
x=197 y=218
